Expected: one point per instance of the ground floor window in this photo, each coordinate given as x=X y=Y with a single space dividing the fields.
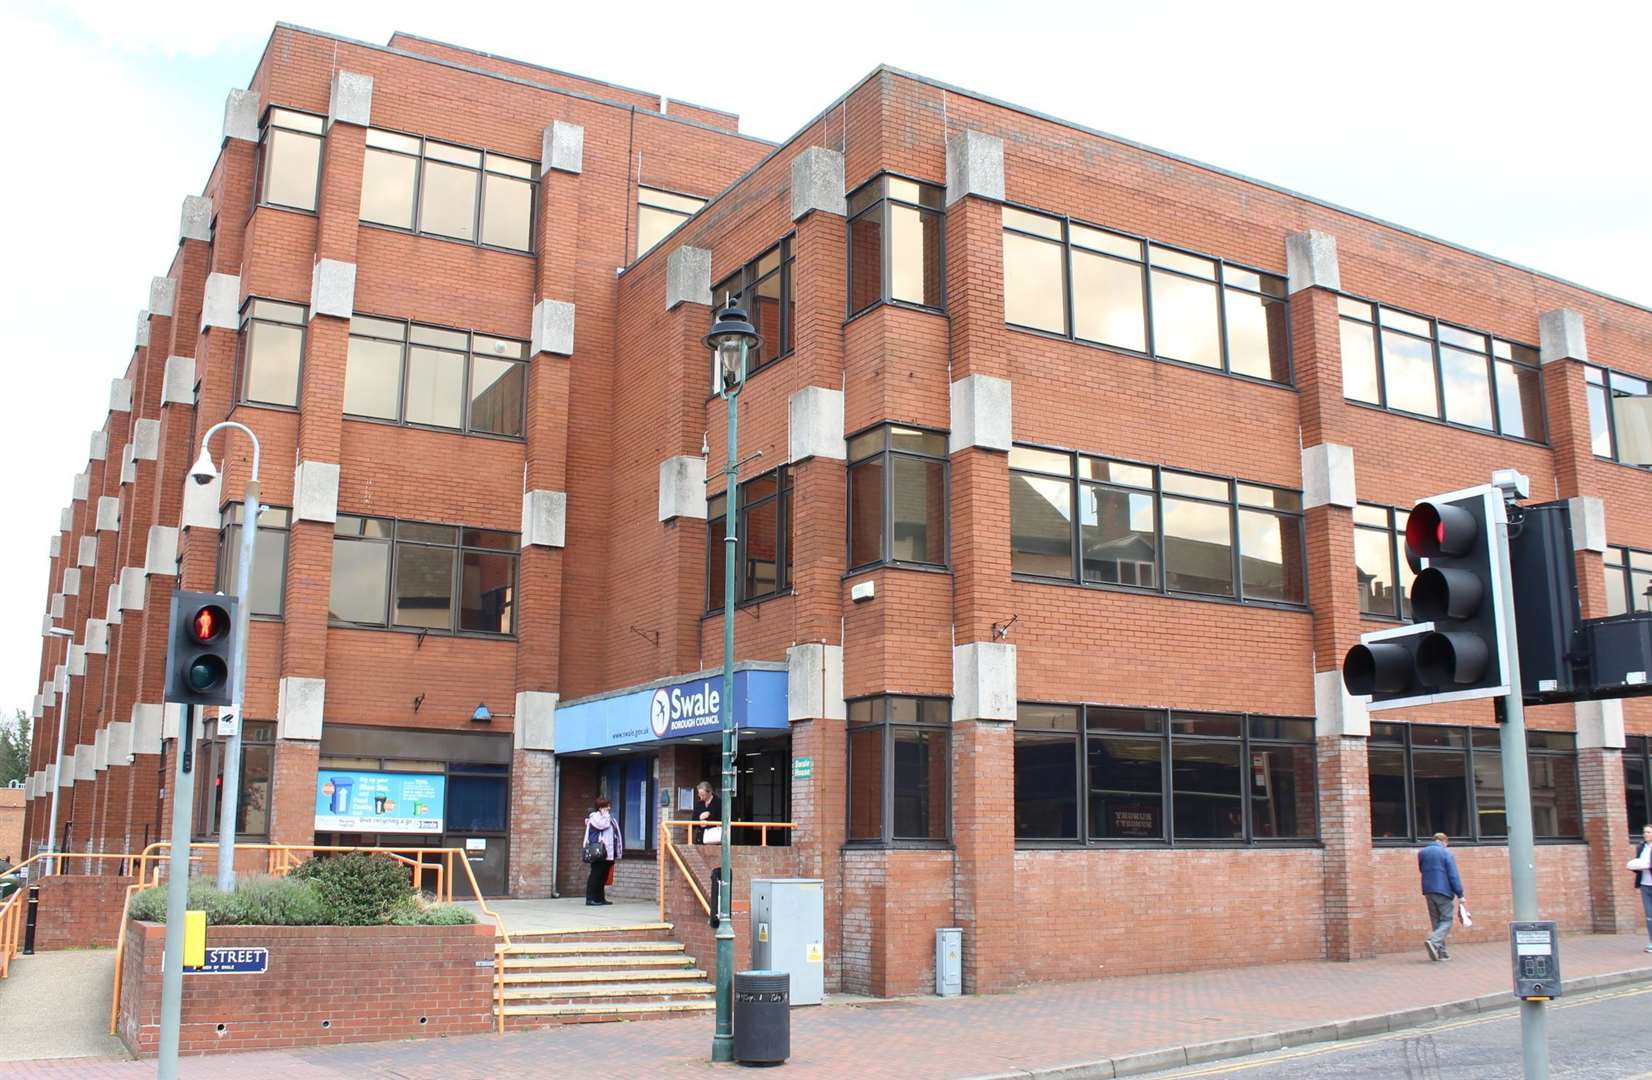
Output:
x=1636 y=770
x=252 y=806
x=899 y=779
x=1427 y=779
x=630 y=783
x=762 y=786
x=1092 y=773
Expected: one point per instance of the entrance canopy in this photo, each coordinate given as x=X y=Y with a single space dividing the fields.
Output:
x=680 y=709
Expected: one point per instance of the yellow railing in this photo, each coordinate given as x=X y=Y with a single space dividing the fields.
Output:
x=13 y=907
x=668 y=844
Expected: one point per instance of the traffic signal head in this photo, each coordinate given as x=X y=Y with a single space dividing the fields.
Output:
x=201 y=651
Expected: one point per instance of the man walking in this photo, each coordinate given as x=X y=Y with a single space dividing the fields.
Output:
x=1442 y=888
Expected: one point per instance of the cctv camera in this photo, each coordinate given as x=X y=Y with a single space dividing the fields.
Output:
x=203 y=472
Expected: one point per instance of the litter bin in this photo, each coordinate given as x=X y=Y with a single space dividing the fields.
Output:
x=762 y=1017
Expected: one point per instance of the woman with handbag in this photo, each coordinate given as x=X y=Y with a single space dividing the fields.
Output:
x=1641 y=864
x=603 y=848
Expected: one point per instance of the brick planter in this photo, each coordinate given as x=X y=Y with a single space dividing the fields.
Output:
x=325 y=984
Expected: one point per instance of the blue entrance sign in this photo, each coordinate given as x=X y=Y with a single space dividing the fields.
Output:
x=243 y=960
x=675 y=710
x=350 y=801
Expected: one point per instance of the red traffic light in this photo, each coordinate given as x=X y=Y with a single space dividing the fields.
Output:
x=209 y=623
x=1436 y=529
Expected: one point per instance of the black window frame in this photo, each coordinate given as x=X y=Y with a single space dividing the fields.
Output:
x=1077 y=480
x=1148 y=267
x=1393 y=525
x=1166 y=739
x=257 y=737
x=1601 y=376
x=886 y=453
x=874 y=198
x=1637 y=749
x=738 y=285
x=1628 y=563
x=470 y=354
x=1501 y=352
x=878 y=709
x=479 y=210
x=1401 y=736
x=229 y=539
x=677 y=212
x=283 y=118
x=250 y=315
x=715 y=541
x=395 y=542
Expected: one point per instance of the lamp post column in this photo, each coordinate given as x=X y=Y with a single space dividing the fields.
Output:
x=722 y=1045
x=57 y=780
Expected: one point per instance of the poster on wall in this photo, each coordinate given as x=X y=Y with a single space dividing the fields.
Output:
x=379 y=802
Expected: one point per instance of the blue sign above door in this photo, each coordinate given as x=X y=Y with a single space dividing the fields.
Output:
x=665 y=712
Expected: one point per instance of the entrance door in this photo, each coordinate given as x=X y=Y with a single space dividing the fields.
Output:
x=488 y=857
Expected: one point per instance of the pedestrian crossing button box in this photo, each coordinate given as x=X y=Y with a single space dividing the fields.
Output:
x=1536 y=950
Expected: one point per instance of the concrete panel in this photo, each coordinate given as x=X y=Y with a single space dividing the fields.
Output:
x=134 y=588
x=1599 y=724
x=120 y=395
x=981 y=410
x=817 y=183
x=178 y=387
x=683 y=487
x=974 y=166
x=1560 y=336
x=687 y=277
x=163 y=296
x=1337 y=712
x=221 y=302
x=983 y=681
x=815 y=415
x=300 y=703
x=1311 y=262
x=535 y=720
x=332 y=288
x=544 y=518
x=553 y=328
x=201 y=503
x=315 y=491
x=146 y=440
x=562 y=148
x=1588 y=523
x=814 y=682
x=195 y=220
x=160 y=555
x=88 y=554
x=350 y=100
x=108 y=514
x=241 y=115
x=1327 y=476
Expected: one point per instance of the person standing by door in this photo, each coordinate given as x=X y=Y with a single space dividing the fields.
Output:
x=1442 y=888
x=1641 y=864
x=605 y=847
x=709 y=809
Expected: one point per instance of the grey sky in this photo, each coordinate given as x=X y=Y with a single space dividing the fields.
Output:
x=1514 y=128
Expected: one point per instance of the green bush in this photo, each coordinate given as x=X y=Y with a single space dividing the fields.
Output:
x=415 y=911
x=256 y=901
x=358 y=888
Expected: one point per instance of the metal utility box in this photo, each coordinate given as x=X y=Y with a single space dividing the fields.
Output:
x=1536 y=950
x=949 y=961
x=788 y=933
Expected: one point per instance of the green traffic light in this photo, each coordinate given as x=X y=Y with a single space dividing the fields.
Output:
x=205 y=673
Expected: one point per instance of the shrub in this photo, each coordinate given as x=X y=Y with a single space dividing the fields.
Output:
x=256 y=901
x=415 y=911
x=358 y=888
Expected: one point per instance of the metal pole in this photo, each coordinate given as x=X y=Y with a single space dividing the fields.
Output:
x=57 y=771
x=1534 y=1018
x=229 y=796
x=722 y=1043
x=177 y=899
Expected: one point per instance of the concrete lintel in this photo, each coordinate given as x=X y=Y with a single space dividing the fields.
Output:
x=201 y=502
x=66 y=770
x=553 y=328
x=111 y=608
x=241 y=115
x=974 y=166
x=134 y=588
x=120 y=742
x=57 y=607
x=221 y=302
x=120 y=395
x=1327 y=476
x=815 y=417
x=172 y=717
x=178 y=384
x=315 y=491
x=350 y=100
x=129 y=464
x=1311 y=262
x=683 y=487
x=140 y=334
x=85 y=762
x=332 y=289
x=160 y=555
x=195 y=220
x=163 y=296
x=562 y=148
x=1337 y=712
x=146 y=440
x=817 y=183
x=81 y=487
x=814 y=682
x=544 y=519
x=77 y=659
x=1600 y=724
x=980 y=414
x=60 y=678
x=983 y=681
x=1560 y=336
x=535 y=726
x=100 y=750
x=99 y=448
x=66 y=519
x=108 y=514
x=88 y=554
x=687 y=277
x=54 y=548
x=71 y=581
x=146 y=728
x=300 y=703
x=1588 y=515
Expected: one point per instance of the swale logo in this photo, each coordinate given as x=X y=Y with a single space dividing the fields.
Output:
x=659 y=713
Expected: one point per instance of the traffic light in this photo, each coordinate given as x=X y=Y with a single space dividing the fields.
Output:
x=201 y=649
x=1455 y=649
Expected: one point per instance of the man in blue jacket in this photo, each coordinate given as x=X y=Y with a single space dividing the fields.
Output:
x=1442 y=888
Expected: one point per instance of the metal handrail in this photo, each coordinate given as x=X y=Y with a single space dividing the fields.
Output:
x=763 y=826
x=669 y=844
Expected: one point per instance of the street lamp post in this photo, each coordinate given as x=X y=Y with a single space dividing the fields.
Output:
x=57 y=779
x=730 y=341
x=204 y=472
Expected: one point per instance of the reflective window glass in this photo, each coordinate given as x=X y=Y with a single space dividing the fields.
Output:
x=1108 y=304
x=435 y=387
x=1205 y=782
x=1118 y=536
x=1257 y=335
x=1270 y=557
x=292 y=167
x=372 y=378
x=497 y=388
x=915 y=268
x=447 y=201
x=1467 y=387
x=1283 y=799
x=1046 y=785
x=360 y=580
x=1184 y=320
x=1033 y=294
x=424 y=586
x=1408 y=373
x=1359 y=362
x=1041 y=533
x=1126 y=788
x=387 y=185
x=1198 y=547
x=487 y=592
x=271 y=362
x=917 y=501
x=1519 y=401
x=507 y=213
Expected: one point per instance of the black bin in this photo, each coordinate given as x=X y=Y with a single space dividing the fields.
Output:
x=762 y=1017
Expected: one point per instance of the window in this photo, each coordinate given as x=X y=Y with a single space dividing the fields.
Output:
x=899 y=769
x=272 y=352
x=1107 y=288
x=1088 y=773
x=431 y=377
x=441 y=578
x=1620 y=425
x=763 y=287
x=252 y=805
x=1628 y=580
x=1636 y=771
x=896 y=244
x=1424 y=367
x=763 y=556
x=1385 y=574
x=897 y=497
x=289 y=159
x=659 y=213
x=439 y=189
x=1427 y=779
x=1144 y=527
x=269 y=557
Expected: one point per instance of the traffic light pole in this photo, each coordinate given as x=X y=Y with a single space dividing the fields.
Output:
x=1517 y=794
x=177 y=898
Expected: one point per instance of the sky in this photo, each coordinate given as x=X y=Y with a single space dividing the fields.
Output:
x=1513 y=128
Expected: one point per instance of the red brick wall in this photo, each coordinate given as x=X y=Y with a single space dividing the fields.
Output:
x=79 y=911
x=1399 y=916
x=436 y=986
x=690 y=924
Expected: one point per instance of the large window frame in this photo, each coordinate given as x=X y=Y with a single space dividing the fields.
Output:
x=1094 y=477
x=1604 y=385
x=1511 y=371
x=658 y=206
x=773 y=488
x=885 y=208
x=1637 y=782
x=1085 y=729
x=474 y=348
x=281 y=317
x=769 y=273
x=275 y=527
x=891 y=721
x=1156 y=265
x=1478 y=750
x=305 y=133
x=257 y=795
x=1386 y=524
x=487 y=167
x=1628 y=573
x=880 y=456
x=399 y=538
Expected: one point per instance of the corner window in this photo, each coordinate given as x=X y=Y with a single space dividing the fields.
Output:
x=897 y=497
x=439 y=189
x=899 y=776
x=1385 y=575
x=1088 y=773
x=763 y=553
x=1628 y=580
x=432 y=377
x=1107 y=288
x=269 y=557
x=1114 y=523
x=896 y=247
x=441 y=578
x=1620 y=415
x=1636 y=769
x=659 y=213
x=289 y=159
x=252 y=806
x=272 y=352
x=1427 y=368
x=763 y=287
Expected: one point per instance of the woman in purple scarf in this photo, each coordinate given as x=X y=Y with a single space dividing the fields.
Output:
x=601 y=828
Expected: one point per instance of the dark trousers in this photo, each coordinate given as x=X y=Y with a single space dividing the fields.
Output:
x=1441 y=909
x=598 y=880
x=1646 y=903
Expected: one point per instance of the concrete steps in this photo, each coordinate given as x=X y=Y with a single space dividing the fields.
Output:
x=598 y=974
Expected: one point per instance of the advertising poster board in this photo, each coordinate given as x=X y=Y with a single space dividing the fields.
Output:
x=379 y=802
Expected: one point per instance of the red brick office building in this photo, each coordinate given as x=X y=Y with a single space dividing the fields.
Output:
x=1081 y=467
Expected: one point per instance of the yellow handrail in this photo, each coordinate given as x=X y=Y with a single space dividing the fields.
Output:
x=763 y=826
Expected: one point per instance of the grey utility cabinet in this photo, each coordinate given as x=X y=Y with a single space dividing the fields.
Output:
x=788 y=933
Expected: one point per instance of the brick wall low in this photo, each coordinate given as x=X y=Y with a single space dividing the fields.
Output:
x=689 y=923
x=80 y=911
x=1400 y=917
x=325 y=984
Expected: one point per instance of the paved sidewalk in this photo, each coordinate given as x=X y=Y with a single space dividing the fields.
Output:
x=930 y=1039
x=56 y=1005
